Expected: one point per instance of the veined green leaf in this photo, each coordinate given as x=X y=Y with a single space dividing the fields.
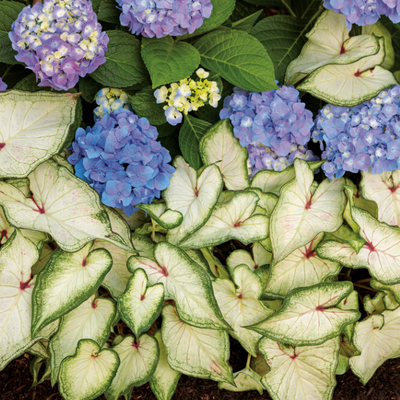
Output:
x=202 y=353
x=194 y=197
x=91 y=320
x=88 y=373
x=185 y=282
x=302 y=213
x=245 y=380
x=66 y=281
x=34 y=127
x=300 y=372
x=247 y=23
x=308 y=316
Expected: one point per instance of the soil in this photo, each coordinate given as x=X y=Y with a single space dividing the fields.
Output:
x=16 y=381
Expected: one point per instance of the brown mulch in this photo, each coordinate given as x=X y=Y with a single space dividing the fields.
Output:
x=16 y=381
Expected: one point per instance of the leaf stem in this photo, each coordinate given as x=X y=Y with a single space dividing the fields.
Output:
x=291 y=12
x=6 y=71
x=153 y=230
x=248 y=360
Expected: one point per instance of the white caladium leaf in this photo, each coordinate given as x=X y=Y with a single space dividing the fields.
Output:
x=47 y=251
x=88 y=373
x=329 y=42
x=267 y=201
x=350 y=84
x=390 y=302
x=241 y=306
x=197 y=256
x=308 y=316
x=164 y=381
x=383 y=190
x=144 y=245
x=380 y=254
x=377 y=338
x=140 y=304
x=138 y=362
x=91 y=320
x=374 y=305
x=272 y=181
x=306 y=373
x=194 y=197
x=349 y=303
x=299 y=269
x=6 y=229
x=66 y=281
x=21 y=184
x=39 y=350
x=245 y=380
x=301 y=214
x=215 y=266
x=62 y=205
x=202 y=353
x=220 y=146
x=393 y=289
x=17 y=256
x=121 y=234
x=231 y=220
x=34 y=126
x=159 y=213
x=116 y=279
x=185 y=282
x=346 y=235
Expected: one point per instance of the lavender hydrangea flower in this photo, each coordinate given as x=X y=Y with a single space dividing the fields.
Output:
x=160 y=18
x=274 y=126
x=361 y=137
x=122 y=160
x=365 y=12
x=59 y=41
x=3 y=85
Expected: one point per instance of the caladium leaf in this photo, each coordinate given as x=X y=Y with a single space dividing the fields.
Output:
x=21 y=184
x=346 y=235
x=140 y=304
x=34 y=126
x=241 y=306
x=138 y=362
x=308 y=316
x=164 y=380
x=383 y=190
x=329 y=43
x=349 y=303
x=121 y=234
x=17 y=256
x=202 y=353
x=374 y=305
x=267 y=201
x=231 y=220
x=62 y=205
x=301 y=214
x=215 y=266
x=47 y=251
x=377 y=338
x=272 y=181
x=91 y=320
x=220 y=146
x=144 y=245
x=185 y=282
x=393 y=289
x=116 y=279
x=390 y=302
x=299 y=269
x=194 y=197
x=66 y=281
x=39 y=350
x=159 y=213
x=350 y=84
x=380 y=254
x=6 y=229
x=300 y=372
x=88 y=373
x=245 y=380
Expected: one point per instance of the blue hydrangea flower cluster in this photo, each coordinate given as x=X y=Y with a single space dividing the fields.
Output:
x=160 y=18
x=365 y=12
x=274 y=126
x=361 y=137
x=122 y=160
x=59 y=41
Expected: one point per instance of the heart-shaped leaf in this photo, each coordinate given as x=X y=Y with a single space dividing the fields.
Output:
x=245 y=380
x=308 y=315
x=164 y=217
x=303 y=212
x=202 y=353
x=185 y=282
x=393 y=289
x=34 y=126
x=168 y=60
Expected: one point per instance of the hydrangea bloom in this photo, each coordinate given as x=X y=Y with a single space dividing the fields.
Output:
x=274 y=125
x=121 y=158
x=110 y=100
x=59 y=41
x=163 y=17
x=365 y=12
x=357 y=138
x=188 y=95
x=3 y=85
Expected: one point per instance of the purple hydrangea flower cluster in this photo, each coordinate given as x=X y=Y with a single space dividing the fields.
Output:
x=59 y=41
x=122 y=160
x=274 y=125
x=361 y=137
x=163 y=17
x=365 y=12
